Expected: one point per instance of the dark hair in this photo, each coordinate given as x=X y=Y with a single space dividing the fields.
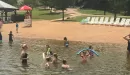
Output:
x=48 y=59
x=64 y=61
x=0 y=19
x=10 y=31
x=65 y=38
x=55 y=55
x=90 y=47
x=51 y=53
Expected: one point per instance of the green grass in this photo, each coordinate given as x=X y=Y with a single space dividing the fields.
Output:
x=94 y=12
x=44 y=14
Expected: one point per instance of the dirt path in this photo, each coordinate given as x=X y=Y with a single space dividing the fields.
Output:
x=73 y=12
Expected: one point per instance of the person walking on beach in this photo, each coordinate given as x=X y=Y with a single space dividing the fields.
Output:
x=127 y=38
x=17 y=26
x=10 y=37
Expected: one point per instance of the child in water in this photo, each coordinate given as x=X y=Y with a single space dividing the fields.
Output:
x=10 y=37
x=84 y=56
x=90 y=52
x=48 y=51
x=66 y=42
x=65 y=66
x=48 y=63
x=55 y=60
x=17 y=26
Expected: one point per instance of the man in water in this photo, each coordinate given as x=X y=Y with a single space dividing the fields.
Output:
x=127 y=38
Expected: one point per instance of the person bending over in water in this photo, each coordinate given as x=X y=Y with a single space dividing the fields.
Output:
x=10 y=37
x=84 y=56
x=48 y=63
x=90 y=52
x=65 y=66
x=127 y=38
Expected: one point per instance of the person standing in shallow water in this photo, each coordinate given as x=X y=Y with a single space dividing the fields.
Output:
x=127 y=38
x=17 y=26
x=66 y=42
x=0 y=38
x=10 y=37
x=24 y=55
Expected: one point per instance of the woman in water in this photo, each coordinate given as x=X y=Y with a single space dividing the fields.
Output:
x=24 y=55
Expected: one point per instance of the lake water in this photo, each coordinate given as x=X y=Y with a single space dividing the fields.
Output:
x=112 y=59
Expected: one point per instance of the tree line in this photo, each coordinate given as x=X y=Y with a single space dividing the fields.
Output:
x=113 y=6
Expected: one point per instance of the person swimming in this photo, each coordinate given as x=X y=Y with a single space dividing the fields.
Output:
x=84 y=56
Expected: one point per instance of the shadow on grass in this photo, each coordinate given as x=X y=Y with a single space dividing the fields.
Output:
x=43 y=9
x=67 y=20
x=50 y=14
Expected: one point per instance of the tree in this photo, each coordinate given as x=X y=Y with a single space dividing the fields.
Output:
x=62 y=5
x=32 y=3
x=12 y=2
x=48 y=3
x=116 y=6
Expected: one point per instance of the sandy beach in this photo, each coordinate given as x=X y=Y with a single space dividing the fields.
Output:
x=73 y=30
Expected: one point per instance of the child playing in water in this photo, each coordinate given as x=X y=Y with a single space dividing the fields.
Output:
x=48 y=63
x=55 y=60
x=10 y=37
x=48 y=51
x=17 y=26
x=84 y=56
x=90 y=52
x=66 y=42
x=65 y=66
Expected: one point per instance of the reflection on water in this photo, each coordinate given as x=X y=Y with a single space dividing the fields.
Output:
x=112 y=60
